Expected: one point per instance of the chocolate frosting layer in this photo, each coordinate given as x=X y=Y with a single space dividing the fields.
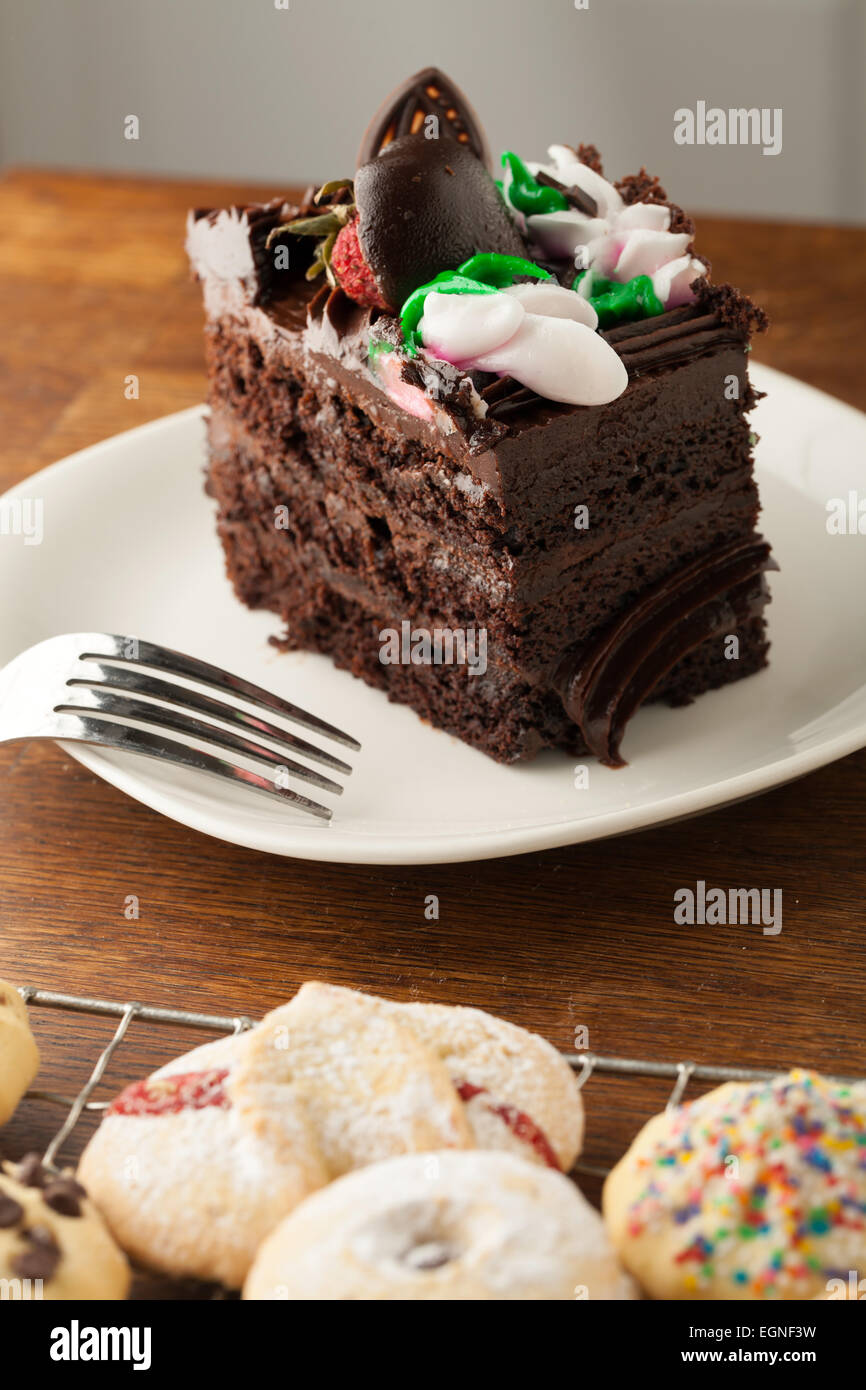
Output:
x=670 y=338
x=426 y=206
x=602 y=685
x=678 y=335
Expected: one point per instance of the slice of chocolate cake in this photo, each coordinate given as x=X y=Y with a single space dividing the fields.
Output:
x=486 y=445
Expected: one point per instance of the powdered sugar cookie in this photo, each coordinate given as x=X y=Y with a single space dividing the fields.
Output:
x=53 y=1242
x=193 y=1167
x=474 y=1225
x=520 y=1094
x=752 y=1191
x=189 y=1182
x=19 y=1057
x=516 y=1092
x=369 y=1087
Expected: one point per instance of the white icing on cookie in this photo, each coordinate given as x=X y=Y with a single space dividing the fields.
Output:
x=194 y=1166
x=442 y=1226
x=193 y=1191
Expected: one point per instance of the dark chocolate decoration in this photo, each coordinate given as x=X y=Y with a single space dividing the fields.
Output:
x=603 y=684
x=574 y=195
x=504 y=396
x=11 y=1211
x=425 y=206
x=64 y=1195
x=427 y=93
x=41 y=1237
x=589 y=155
x=43 y=1257
x=249 y=227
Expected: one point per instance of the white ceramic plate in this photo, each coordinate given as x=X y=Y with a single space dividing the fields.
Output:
x=129 y=546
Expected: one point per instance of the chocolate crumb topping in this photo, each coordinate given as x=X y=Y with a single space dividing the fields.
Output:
x=734 y=308
x=640 y=188
x=681 y=222
x=646 y=188
x=589 y=155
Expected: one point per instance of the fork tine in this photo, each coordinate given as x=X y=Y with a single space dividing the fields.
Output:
x=177 y=664
x=89 y=729
x=140 y=683
x=105 y=702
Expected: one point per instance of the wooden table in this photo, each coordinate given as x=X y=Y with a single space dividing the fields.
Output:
x=94 y=286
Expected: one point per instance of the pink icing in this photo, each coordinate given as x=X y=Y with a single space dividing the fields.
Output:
x=402 y=393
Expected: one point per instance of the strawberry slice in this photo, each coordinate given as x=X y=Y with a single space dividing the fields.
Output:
x=352 y=272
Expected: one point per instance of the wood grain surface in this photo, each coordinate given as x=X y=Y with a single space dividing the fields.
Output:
x=93 y=286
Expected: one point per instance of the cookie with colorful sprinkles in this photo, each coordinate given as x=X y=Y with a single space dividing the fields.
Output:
x=752 y=1191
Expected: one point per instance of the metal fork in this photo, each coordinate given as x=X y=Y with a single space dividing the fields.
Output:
x=76 y=686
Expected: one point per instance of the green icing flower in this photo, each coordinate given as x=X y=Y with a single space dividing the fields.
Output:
x=525 y=192
x=621 y=303
x=446 y=282
x=500 y=271
x=484 y=273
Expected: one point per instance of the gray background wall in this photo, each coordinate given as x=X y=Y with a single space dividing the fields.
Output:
x=241 y=89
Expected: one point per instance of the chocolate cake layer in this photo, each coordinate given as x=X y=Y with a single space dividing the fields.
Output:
x=678 y=438
x=405 y=572
x=495 y=712
x=359 y=491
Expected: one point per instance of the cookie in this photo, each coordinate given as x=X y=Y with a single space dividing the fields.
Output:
x=404 y=1077
x=753 y=1191
x=188 y=1183
x=19 y=1057
x=195 y=1166
x=476 y=1225
x=519 y=1092
x=371 y=1089
x=53 y=1242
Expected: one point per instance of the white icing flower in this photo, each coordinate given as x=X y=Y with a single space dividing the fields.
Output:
x=545 y=338
x=454 y=323
x=620 y=241
x=554 y=302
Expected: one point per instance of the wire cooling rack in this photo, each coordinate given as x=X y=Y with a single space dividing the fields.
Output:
x=585 y=1064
